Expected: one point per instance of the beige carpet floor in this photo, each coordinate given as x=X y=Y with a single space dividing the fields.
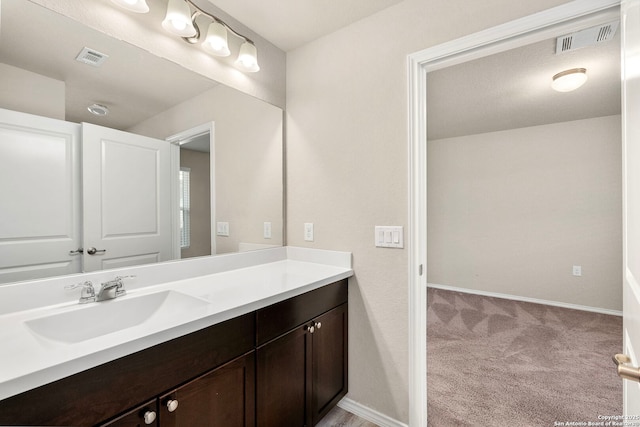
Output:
x=499 y=362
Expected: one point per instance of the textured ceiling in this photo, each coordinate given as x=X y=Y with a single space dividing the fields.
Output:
x=125 y=82
x=512 y=89
x=289 y=24
x=503 y=91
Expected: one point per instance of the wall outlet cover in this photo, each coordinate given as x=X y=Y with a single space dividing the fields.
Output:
x=308 y=232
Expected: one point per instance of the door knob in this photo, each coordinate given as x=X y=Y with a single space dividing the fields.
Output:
x=627 y=372
x=93 y=251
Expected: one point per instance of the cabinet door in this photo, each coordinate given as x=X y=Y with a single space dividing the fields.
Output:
x=142 y=416
x=222 y=397
x=329 y=361
x=284 y=381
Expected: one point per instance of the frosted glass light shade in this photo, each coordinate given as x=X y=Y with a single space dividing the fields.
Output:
x=248 y=58
x=216 y=40
x=178 y=19
x=569 y=80
x=137 y=6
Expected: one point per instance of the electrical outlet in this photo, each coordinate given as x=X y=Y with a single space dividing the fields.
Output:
x=308 y=231
x=267 y=230
x=577 y=270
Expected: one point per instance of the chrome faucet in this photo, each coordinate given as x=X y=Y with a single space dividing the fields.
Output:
x=108 y=290
x=112 y=289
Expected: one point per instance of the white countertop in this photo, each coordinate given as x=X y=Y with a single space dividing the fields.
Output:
x=29 y=360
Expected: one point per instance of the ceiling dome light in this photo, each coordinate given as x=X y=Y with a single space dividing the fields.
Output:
x=98 y=110
x=178 y=19
x=248 y=58
x=138 y=6
x=216 y=41
x=569 y=80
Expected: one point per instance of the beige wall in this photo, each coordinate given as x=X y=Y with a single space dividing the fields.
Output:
x=248 y=160
x=200 y=197
x=27 y=92
x=347 y=167
x=511 y=212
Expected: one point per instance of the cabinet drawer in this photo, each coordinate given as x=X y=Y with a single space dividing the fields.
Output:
x=279 y=318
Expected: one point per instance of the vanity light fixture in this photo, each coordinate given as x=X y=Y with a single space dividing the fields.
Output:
x=181 y=21
x=569 y=80
x=138 y=6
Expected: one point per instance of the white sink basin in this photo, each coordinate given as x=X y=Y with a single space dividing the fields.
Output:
x=101 y=318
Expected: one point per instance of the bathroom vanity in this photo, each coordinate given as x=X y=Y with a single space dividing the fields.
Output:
x=270 y=350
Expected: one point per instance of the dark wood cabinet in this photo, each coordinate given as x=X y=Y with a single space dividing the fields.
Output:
x=223 y=397
x=282 y=365
x=284 y=381
x=302 y=374
x=330 y=356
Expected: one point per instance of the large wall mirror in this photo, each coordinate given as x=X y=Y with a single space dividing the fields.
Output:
x=223 y=153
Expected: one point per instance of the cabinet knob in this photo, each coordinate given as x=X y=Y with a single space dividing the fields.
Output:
x=149 y=417
x=311 y=328
x=172 y=405
x=318 y=325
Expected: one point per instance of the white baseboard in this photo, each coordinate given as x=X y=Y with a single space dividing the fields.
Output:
x=369 y=414
x=527 y=299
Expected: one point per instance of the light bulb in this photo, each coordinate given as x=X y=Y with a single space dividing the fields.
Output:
x=137 y=6
x=248 y=58
x=178 y=19
x=216 y=40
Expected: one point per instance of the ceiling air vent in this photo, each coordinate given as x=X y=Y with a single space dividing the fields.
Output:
x=588 y=37
x=91 y=57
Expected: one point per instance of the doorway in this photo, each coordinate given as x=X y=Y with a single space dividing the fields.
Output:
x=528 y=30
x=193 y=165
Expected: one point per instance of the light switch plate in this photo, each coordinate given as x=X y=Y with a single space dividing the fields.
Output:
x=222 y=229
x=390 y=236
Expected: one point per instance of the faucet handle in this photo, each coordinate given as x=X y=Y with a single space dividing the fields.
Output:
x=88 y=293
x=120 y=284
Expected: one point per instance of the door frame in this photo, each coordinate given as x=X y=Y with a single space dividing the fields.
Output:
x=516 y=33
x=176 y=141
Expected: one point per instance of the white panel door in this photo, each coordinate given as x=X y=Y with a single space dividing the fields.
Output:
x=39 y=197
x=126 y=193
x=631 y=195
